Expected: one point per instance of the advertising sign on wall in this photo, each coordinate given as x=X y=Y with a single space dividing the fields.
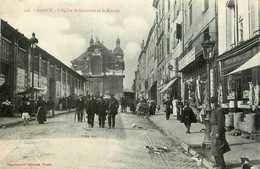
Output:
x=20 y=87
x=187 y=59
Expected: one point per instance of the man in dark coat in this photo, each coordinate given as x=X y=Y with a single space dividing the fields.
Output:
x=80 y=108
x=102 y=107
x=112 y=110
x=92 y=109
x=188 y=117
x=179 y=109
x=219 y=145
x=169 y=106
x=152 y=106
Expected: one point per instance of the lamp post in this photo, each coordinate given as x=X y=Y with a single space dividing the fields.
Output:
x=208 y=47
x=33 y=42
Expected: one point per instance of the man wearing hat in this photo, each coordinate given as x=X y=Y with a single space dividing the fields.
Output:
x=80 y=108
x=112 y=110
x=219 y=144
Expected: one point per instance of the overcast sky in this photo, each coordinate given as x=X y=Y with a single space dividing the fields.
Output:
x=67 y=35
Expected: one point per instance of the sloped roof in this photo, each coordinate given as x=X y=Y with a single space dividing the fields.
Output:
x=81 y=58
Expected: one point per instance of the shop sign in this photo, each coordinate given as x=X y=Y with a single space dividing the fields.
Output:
x=235 y=59
x=20 y=85
x=187 y=59
x=43 y=85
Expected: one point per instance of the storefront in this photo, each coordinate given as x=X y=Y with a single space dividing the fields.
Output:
x=194 y=77
x=240 y=80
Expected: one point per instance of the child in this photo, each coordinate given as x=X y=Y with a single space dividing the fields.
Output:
x=25 y=117
x=25 y=114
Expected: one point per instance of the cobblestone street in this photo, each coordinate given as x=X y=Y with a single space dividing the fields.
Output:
x=63 y=143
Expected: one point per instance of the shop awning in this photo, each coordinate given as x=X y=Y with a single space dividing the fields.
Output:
x=168 y=85
x=253 y=62
x=31 y=90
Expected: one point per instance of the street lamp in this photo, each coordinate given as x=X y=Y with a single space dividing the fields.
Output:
x=33 y=42
x=208 y=47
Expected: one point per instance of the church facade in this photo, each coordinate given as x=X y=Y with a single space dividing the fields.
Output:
x=103 y=68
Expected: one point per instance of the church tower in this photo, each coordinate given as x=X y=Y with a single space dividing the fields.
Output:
x=91 y=42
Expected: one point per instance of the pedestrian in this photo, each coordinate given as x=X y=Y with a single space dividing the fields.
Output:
x=123 y=104
x=41 y=111
x=26 y=108
x=80 y=108
x=179 y=109
x=7 y=107
x=91 y=110
x=174 y=107
x=219 y=144
x=112 y=110
x=168 y=104
x=152 y=106
x=87 y=105
x=102 y=107
x=70 y=103
x=188 y=117
x=50 y=107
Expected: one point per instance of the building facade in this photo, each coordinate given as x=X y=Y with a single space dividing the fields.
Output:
x=103 y=68
x=18 y=65
x=183 y=71
x=239 y=53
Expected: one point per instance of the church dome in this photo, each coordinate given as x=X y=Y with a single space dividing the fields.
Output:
x=118 y=51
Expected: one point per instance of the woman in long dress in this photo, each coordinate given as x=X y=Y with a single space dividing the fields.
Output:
x=41 y=111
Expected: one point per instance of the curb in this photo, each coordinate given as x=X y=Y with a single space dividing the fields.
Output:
x=31 y=119
x=186 y=147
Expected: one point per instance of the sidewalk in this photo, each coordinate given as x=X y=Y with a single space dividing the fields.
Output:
x=17 y=119
x=240 y=147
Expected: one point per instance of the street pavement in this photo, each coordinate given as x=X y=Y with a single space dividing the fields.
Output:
x=62 y=143
x=240 y=147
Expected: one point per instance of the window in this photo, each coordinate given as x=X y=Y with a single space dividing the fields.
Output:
x=35 y=64
x=185 y=21
x=190 y=14
x=169 y=5
x=162 y=50
x=168 y=45
x=44 y=68
x=169 y=24
x=206 y=5
x=230 y=26
x=163 y=6
x=206 y=34
x=174 y=10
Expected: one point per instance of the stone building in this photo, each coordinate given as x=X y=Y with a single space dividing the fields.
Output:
x=18 y=65
x=103 y=68
x=181 y=29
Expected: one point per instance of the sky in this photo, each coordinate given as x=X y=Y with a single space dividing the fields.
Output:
x=65 y=31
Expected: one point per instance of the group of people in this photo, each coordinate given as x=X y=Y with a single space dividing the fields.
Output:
x=97 y=105
x=6 y=108
x=185 y=114
x=41 y=108
x=148 y=107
